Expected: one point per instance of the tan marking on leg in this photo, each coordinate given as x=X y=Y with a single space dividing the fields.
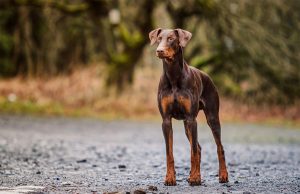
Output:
x=223 y=174
x=195 y=177
x=165 y=101
x=170 y=179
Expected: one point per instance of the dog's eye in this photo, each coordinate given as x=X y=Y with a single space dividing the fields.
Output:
x=170 y=39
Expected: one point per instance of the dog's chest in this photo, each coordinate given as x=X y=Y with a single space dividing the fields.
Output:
x=178 y=104
x=180 y=107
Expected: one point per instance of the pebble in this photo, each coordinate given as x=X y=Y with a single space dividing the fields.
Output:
x=152 y=188
x=121 y=166
x=245 y=168
x=139 y=191
x=67 y=184
x=260 y=162
x=82 y=161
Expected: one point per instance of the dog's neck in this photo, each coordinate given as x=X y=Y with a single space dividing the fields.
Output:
x=174 y=69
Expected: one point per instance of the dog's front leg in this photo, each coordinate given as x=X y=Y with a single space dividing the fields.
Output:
x=191 y=133
x=170 y=179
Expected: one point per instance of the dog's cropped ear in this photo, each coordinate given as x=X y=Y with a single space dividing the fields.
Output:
x=184 y=36
x=153 y=35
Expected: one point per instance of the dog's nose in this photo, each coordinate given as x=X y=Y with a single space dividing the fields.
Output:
x=159 y=51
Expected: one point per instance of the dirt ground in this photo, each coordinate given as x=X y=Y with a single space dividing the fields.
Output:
x=63 y=155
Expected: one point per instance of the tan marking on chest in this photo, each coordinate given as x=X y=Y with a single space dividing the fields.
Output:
x=165 y=101
x=185 y=102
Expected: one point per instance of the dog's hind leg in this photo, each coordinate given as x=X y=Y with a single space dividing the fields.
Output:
x=211 y=110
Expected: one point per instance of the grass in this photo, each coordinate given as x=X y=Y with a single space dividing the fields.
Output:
x=82 y=94
x=28 y=107
x=56 y=109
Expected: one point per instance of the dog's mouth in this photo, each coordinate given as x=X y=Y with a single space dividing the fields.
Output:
x=164 y=56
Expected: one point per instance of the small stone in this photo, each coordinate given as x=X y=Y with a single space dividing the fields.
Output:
x=139 y=191
x=82 y=161
x=245 y=168
x=260 y=162
x=227 y=185
x=121 y=166
x=67 y=184
x=246 y=192
x=38 y=172
x=257 y=174
x=233 y=164
x=152 y=188
x=94 y=165
x=236 y=182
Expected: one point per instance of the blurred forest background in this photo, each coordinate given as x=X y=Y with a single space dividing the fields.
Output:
x=92 y=57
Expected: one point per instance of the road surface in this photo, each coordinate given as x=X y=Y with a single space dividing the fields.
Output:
x=64 y=155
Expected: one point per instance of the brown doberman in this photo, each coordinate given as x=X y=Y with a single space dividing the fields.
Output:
x=183 y=91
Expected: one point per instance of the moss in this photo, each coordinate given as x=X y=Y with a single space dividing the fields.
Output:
x=120 y=58
x=131 y=39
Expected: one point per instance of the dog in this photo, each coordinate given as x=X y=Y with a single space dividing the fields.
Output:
x=182 y=92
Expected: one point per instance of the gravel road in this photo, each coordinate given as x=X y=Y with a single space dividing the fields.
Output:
x=60 y=155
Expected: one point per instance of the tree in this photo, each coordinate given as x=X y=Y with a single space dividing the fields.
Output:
x=253 y=45
x=126 y=39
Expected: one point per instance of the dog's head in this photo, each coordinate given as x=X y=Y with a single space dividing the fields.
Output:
x=169 y=41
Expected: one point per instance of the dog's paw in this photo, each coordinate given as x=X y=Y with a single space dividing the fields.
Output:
x=194 y=181
x=223 y=177
x=170 y=181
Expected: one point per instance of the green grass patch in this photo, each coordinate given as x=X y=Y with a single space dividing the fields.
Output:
x=27 y=107
x=30 y=107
